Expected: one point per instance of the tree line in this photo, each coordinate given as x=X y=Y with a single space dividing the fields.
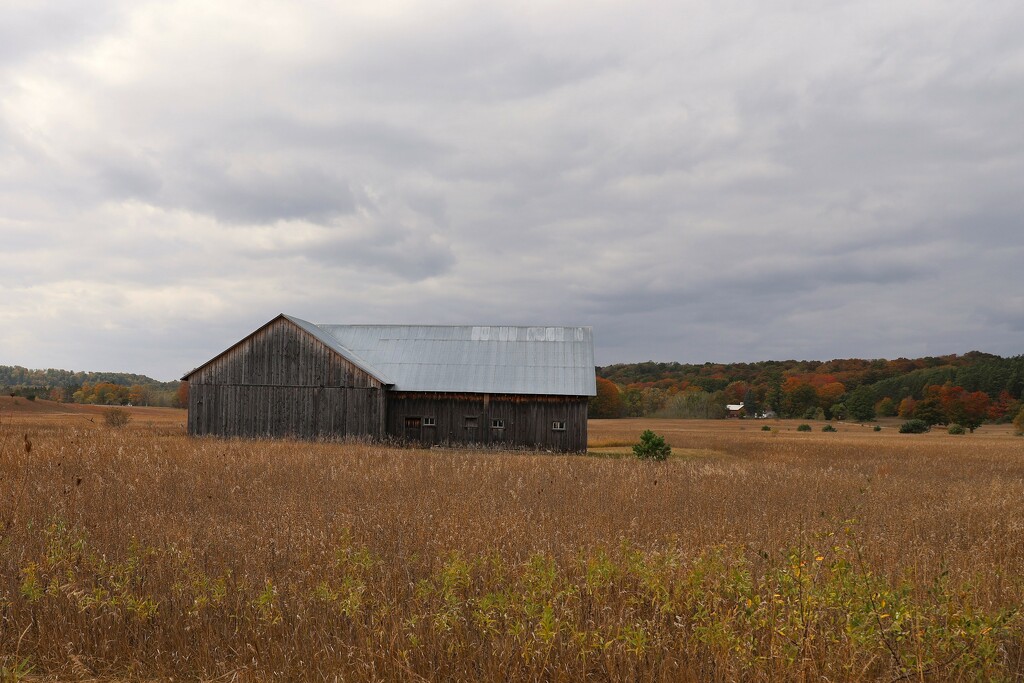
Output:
x=964 y=389
x=98 y=388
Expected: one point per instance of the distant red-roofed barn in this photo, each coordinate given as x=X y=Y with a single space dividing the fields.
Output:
x=735 y=410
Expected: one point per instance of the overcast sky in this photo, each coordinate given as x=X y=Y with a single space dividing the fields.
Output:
x=699 y=181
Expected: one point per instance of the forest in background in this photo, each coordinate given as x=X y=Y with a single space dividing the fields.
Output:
x=965 y=389
x=97 y=388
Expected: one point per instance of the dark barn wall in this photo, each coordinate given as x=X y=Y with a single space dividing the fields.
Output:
x=528 y=419
x=282 y=381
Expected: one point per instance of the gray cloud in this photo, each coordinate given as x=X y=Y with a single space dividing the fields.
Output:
x=257 y=196
x=407 y=256
x=728 y=182
x=40 y=27
x=478 y=55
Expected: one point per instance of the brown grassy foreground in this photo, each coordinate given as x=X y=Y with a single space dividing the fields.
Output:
x=141 y=554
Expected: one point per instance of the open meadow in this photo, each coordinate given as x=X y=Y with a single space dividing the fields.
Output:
x=139 y=553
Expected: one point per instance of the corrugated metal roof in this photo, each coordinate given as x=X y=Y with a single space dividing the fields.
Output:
x=470 y=359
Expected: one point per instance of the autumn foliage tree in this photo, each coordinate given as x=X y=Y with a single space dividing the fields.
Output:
x=966 y=408
x=103 y=393
x=1003 y=407
x=906 y=408
x=607 y=403
x=830 y=393
x=736 y=392
x=181 y=398
x=139 y=395
x=948 y=403
x=885 y=408
x=971 y=409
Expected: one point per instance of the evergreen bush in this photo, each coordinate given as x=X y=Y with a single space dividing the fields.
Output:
x=803 y=428
x=914 y=427
x=652 y=447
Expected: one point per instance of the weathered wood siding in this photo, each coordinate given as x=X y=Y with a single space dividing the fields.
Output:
x=282 y=381
x=527 y=419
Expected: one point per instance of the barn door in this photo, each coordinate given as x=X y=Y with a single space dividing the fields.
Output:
x=413 y=428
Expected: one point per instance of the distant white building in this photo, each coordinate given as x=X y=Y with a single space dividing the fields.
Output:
x=735 y=409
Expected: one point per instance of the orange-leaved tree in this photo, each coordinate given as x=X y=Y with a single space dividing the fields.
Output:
x=608 y=402
x=181 y=397
x=829 y=394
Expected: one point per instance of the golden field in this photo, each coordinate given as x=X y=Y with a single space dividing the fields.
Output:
x=141 y=554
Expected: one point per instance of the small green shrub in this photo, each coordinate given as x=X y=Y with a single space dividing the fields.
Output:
x=652 y=447
x=766 y=428
x=956 y=429
x=803 y=428
x=914 y=427
x=829 y=428
x=878 y=428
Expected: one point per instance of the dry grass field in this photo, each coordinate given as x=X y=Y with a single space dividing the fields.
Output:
x=140 y=554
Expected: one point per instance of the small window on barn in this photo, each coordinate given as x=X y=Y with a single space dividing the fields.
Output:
x=558 y=425
x=430 y=422
x=497 y=424
x=471 y=422
x=412 y=422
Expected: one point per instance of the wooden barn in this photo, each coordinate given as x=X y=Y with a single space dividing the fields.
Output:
x=428 y=384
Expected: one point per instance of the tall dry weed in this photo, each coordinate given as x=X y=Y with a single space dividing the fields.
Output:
x=145 y=554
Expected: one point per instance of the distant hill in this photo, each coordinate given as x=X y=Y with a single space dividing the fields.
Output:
x=801 y=388
x=87 y=387
x=15 y=375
